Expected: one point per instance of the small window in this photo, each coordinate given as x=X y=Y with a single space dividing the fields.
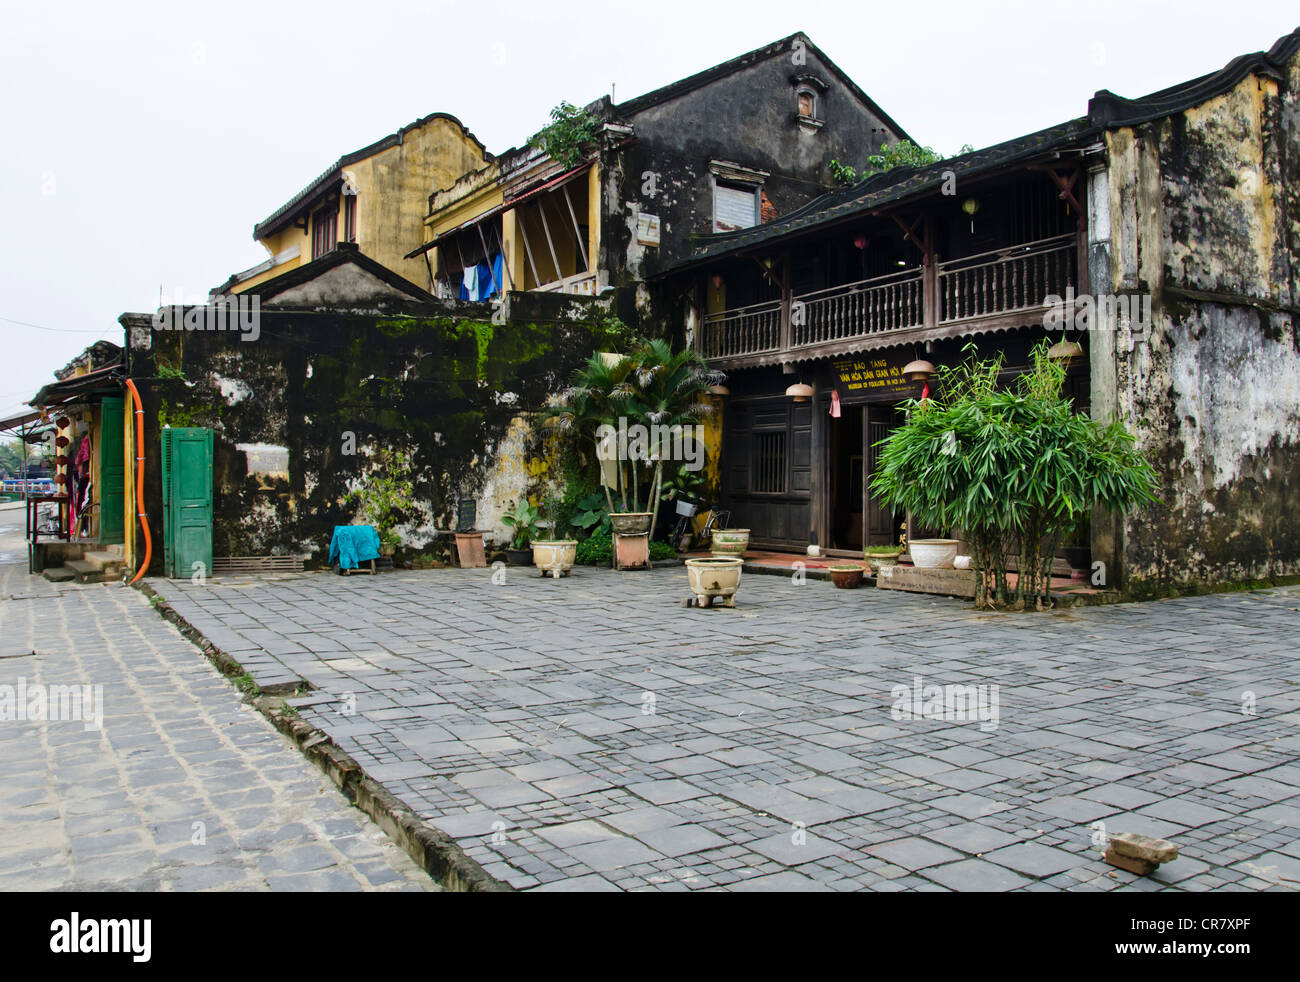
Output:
x=807 y=101
x=735 y=206
x=350 y=218
x=768 y=463
x=324 y=231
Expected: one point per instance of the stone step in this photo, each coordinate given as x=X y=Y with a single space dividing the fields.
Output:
x=106 y=561
x=118 y=549
x=87 y=572
x=58 y=574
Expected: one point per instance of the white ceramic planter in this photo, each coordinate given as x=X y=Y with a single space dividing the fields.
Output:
x=711 y=578
x=555 y=557
x=933 y=553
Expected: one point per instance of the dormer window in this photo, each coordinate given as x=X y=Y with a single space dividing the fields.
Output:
x=808 y=91
x=807 y=100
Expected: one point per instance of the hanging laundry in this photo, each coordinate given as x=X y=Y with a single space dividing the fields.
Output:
x=469 y=285
x=498 y=270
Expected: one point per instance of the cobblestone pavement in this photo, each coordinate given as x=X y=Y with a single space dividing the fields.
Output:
x=183 y=788
x=590 y=733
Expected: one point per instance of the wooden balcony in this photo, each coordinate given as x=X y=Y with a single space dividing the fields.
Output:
x=999 y=288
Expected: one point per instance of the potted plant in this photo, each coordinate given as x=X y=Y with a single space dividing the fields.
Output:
x=386 y=488
x=877 y=556
x=552 y=555
x=846 y=576
x=635 y=410
x=729 y=542
x=523 y=521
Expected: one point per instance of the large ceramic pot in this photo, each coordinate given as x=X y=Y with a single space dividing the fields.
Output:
x=630 y=522
x=519 y=557
x=846 y=576
x=555 y=556
x=711 y=578
x=729 y=543
x=933 y=553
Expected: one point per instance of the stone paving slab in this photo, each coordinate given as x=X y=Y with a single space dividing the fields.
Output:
x=590 y=733
x=182 y=787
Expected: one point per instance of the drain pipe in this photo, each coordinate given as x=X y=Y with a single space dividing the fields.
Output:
x=139 y=478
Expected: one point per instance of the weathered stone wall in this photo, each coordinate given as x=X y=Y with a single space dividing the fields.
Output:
x=286 y=408
x=1204 y=218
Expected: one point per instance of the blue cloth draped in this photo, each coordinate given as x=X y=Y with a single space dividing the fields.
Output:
x=353 y=544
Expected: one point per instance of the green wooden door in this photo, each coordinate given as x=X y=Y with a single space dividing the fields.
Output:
x=187 y=500
x=112 y=471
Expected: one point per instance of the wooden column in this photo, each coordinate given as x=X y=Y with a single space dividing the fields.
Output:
x=929 y=277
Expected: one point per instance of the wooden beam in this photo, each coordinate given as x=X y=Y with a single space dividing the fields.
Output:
x=1065 y=187
x=546 y=227
x=577 y=231
x=505 y=260
x=528 y=249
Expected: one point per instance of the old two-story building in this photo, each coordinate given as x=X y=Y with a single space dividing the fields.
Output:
x=375 y=198
x=1176 y=214
x=349 y=351
x=729 y=148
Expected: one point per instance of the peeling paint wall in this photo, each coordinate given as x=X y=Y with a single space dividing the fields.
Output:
x=1204 y=217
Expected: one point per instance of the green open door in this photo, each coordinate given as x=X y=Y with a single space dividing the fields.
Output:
x=187 y=500
x=112 y=471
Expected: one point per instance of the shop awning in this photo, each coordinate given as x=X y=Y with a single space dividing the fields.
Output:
x=70 y=389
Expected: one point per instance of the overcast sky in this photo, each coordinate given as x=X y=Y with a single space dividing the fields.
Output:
x=144 y=140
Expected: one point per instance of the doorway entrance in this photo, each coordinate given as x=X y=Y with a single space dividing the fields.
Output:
x=883 y=526
x=847 y=477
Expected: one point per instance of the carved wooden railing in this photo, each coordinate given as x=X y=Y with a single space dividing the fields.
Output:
x=742 y=331
x=1007 y=280
x=1002 y=281
x=883 y=303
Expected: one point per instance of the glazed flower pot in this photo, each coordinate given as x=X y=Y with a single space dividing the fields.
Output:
x=846 y=576
x=711 y=578
x=877 y=559
x=933 y=553
x=555 y=556
x=630 y=522
x=729 y=543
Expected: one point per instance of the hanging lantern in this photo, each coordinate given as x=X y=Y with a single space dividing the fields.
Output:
x=719 y=390
x=1065 y=350
x=970 y=206
x=800 y=392
x=717 y=281
x=860 y=242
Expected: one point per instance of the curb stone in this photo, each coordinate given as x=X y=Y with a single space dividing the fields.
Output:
x=431 y=848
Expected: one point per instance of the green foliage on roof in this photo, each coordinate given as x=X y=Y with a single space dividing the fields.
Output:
x=904 y=153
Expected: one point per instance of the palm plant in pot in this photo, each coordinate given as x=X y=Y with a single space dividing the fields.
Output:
x=523 y=519
x=637 y=412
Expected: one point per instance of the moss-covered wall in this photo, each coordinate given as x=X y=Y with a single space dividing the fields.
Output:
x=453 y=391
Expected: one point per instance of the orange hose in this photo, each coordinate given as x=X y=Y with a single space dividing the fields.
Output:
x=139 y=478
